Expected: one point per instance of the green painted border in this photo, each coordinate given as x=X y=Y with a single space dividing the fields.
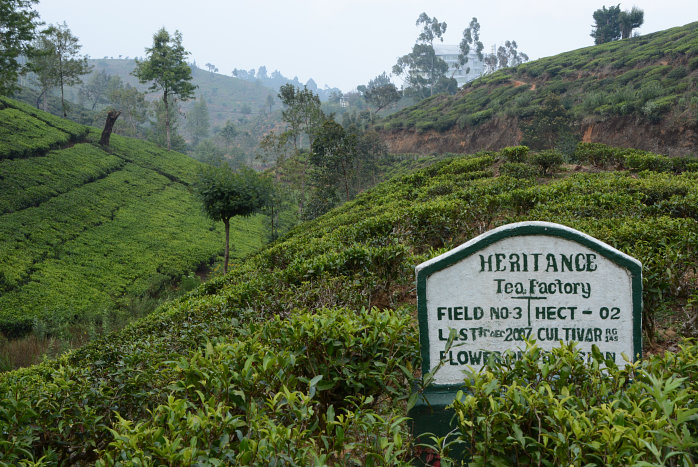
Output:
x=549 y=229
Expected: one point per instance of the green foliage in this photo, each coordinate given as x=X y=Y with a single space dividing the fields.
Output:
x=226 y=194
x=305 y=352
x=518 y=170
x=165 y=67
x=559 y=409
x=424 y=73
x=76 y=131
x=593 y=83
x=29 y=182
x=23 y=137
x=56 y=62
x=515 y=153
x=550 y=126
x=82 y=229
x=597 y=154
x=547 y=161
x=380 y=92
x=17 y=25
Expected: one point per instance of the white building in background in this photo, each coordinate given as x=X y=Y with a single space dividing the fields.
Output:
x=449 y=53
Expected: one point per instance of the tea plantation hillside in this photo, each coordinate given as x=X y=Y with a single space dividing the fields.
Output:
x=305 y=353
x=639 y=92
x=85 y=231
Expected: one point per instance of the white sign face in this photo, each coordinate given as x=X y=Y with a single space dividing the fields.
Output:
x=533 y=280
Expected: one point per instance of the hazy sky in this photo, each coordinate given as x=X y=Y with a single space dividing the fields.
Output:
x=339 y=43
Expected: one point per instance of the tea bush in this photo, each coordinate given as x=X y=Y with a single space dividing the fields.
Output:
x=561 y=409
x=82 y=228
x=305 y=352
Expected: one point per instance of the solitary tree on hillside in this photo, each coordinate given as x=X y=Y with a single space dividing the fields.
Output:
x=226 y=194
x=17 y=29
x=165 y=66
x=611 y=24
x=57 y=61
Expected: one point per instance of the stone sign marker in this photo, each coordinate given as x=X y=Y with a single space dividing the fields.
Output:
x=530 y=280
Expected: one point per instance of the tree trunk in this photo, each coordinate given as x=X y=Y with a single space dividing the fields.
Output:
x=108 y=126
x=227 y=243
x=167 y=127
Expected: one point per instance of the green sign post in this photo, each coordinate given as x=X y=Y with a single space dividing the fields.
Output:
x=525 y=281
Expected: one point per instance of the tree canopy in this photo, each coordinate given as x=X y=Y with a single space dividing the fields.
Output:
x=470 y=40
x=18 y=22
x=56 y=60
x=166 y=68
x=424 y=72
x=225 y=194
x=612 y=24
x=380 y=92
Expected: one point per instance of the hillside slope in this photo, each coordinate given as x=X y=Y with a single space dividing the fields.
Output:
x=639 y=93
x=305 y=353
x=226 y=96
x=84 y=230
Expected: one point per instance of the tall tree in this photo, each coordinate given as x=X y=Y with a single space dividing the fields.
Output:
x=424 y=73
x=344 y=161
x=59 y=60
x=508 y=55
x=42 y=64
x=226 y=194
x=470 y=41
x=380 y=92
x=612 y=24
x=166 y=68
x=606 y=26
x=18 y=22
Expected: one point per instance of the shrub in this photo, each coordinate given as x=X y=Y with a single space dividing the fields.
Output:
x=639 y=160
x=515 y=153
x=548 y=161
x=557 y=409
x=597 y=154
x=518 y=170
